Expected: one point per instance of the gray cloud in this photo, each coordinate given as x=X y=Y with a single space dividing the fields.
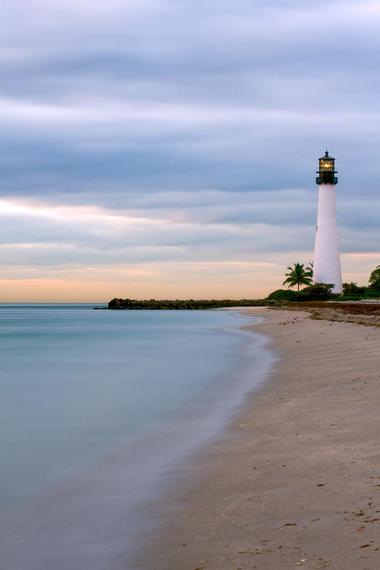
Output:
x=213 y=114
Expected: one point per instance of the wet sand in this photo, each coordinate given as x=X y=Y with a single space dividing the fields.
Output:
x=295 y=481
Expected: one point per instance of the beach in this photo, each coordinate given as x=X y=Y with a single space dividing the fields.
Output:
x=295 y=480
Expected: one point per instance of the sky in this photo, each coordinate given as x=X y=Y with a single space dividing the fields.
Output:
x=168 y=148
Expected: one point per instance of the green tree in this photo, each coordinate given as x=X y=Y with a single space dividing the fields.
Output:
x=298 y=275
x=353 y=290
x=374 y=278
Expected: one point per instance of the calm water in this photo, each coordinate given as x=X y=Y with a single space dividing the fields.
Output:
x=98 y=411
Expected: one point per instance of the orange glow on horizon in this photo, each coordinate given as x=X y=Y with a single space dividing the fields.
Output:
x=172 y=280
x=73 y=265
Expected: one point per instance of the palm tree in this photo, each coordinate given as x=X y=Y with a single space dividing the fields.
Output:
x=298 y=275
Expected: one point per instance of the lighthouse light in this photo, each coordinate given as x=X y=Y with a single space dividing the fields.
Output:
x=326 y=172
x=327 y=165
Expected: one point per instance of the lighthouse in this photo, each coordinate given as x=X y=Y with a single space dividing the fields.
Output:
x=326 y=253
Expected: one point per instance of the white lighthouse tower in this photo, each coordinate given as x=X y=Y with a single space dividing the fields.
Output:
x=326 y=253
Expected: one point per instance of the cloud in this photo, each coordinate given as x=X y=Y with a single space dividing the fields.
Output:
x=152 y=131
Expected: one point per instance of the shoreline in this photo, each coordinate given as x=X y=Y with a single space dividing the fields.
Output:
x=295 y=480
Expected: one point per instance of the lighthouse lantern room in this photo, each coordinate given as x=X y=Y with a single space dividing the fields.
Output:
x=326 y=172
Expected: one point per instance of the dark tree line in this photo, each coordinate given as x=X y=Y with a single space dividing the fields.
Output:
x=178 y=304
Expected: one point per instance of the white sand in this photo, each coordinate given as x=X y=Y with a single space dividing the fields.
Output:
x=296 y=480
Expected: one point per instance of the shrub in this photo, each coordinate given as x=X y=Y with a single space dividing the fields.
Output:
x=282 y=295
x=373 y=291
x=353 y=291
x=316 y=292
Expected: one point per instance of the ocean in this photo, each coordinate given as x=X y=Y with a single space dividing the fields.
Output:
x=99 y=412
